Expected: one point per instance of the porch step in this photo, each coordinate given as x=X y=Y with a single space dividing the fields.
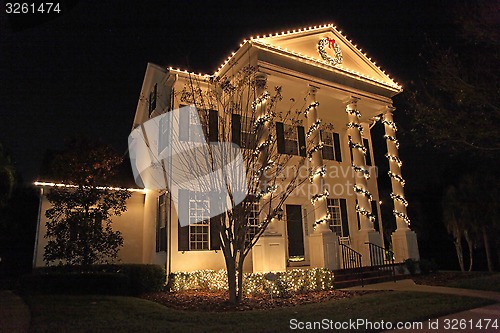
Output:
x=352 y=277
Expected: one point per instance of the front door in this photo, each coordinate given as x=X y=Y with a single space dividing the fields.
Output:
x=295 y=233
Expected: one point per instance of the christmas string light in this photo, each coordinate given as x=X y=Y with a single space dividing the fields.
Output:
x=357 y=146
x=399 y=198
x=337 y=59
x=321 y=171
x=354 y=112
x=365 y=172
x=402 y=216
x=313 y=127
x=366 y=213
x=263 y=145
x=261 y=99
x=261 y=120
x=311 y=106
x=366 y=193
x=390 y=123
x=397 y=177
x=395 y=159
x=319 y=196
x=326 y=219
x=393 y=139
x=268 y=190
x=355 y=125
x=314 y=149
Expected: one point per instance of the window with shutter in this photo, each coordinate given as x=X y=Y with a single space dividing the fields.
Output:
x=291 y=139
x=247 y=136
x=199 y=221
x=161 y=224
x=328 y=150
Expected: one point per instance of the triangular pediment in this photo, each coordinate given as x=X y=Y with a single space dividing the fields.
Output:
x=337 y=52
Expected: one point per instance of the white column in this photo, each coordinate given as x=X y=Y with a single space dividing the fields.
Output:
x=361 y=173
x=367 y=233
x=404 y=240
x=269 y=252
x=323 y=243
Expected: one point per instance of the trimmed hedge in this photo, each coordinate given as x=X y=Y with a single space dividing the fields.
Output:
x=126 y=279
x=286 y=283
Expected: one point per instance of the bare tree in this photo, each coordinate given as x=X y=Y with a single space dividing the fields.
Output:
x=271 y=173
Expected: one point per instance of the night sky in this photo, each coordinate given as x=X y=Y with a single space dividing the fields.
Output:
x=81 y=72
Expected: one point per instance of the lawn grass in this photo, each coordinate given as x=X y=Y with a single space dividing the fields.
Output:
x=62 y=313
x=486 y=282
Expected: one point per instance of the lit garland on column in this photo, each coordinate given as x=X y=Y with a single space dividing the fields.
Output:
x=355 y=125
x=262 y=120
x=312 y=105
x=319 y=172
x=366 y=193
x=263 y=145
x=353 y=111
x=397 y=177
x=326 y=219
x=357 y=146
x=259 y=172
x=314 y=149
x=402 y=216
x=393 y=139
x=319 y=196
x=390 y=123
x=262 y=98
x=365 y=172
x=399 y=198
x=394 y=158
x=366 y=213
x=313 y=127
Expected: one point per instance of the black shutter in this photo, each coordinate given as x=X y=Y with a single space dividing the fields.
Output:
x=350 y=149
x=375 y=213
x=368 y=155
x=345 y=220
x=183 y=213
x=280 y=136
x=213 y=123
x=236 y=129
x=183 y=124
x=302 y=141
x=336 y=145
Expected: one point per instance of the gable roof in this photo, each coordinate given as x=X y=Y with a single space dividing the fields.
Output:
x=303 y=44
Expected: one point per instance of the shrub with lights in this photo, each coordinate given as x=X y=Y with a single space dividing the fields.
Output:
x=286 y=283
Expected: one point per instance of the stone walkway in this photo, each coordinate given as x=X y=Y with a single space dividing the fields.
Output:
x=15 y=315
x=465 y=321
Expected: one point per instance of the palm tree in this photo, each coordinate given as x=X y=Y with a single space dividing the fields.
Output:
x=7 y=176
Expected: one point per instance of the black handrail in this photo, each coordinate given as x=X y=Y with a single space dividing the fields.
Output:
x=382 y=258
x=352 y=260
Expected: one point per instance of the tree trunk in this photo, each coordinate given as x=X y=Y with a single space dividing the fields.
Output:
x=470 y=246
x=460 y=255
x=487 y=249
x=231 y=279
x=240 y=279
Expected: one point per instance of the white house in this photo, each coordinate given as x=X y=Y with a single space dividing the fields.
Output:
x=346 y=90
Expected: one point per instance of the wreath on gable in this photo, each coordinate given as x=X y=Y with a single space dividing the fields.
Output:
x=330 y=42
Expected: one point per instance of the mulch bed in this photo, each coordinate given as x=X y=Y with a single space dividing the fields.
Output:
x=445 y=278
x=217 y=301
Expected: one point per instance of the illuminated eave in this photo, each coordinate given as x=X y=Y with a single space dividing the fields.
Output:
x=394 y=86
x=49 y=184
